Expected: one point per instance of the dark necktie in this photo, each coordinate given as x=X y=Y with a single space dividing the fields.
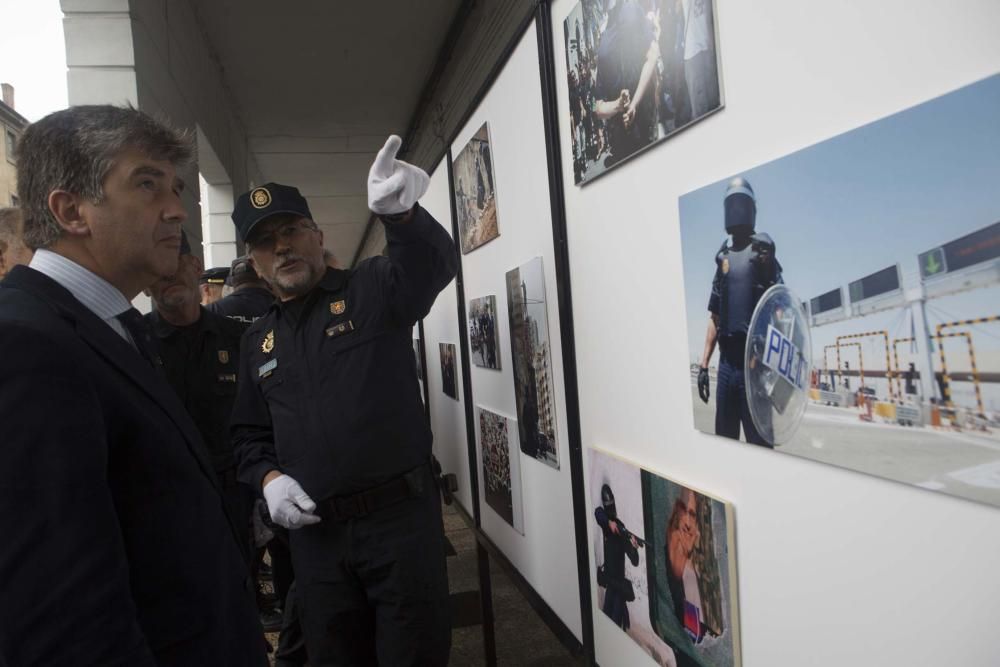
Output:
x=142 y=335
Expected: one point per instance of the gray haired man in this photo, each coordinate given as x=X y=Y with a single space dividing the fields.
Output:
x=122 y=553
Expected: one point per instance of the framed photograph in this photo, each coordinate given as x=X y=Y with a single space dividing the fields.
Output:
x=885 y=242
x=475 y=192
x=530 y=357
x=691 y=569
x=484 y=337
x=638 y=72
x=665 y=564
x=449 y=379
x=501 y=470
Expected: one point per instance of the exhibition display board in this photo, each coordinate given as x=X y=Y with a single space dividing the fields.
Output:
x=835 y=566
x=781 y=224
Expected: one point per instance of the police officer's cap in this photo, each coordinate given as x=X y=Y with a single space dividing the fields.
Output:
x=263 y=202
x=241 y=273
x=215 y=276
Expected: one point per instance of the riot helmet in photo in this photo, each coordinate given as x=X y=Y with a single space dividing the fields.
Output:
x=740 y=205
x=608 y=502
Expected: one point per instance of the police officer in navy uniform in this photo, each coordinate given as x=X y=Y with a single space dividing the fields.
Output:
x=250 y=297
x=329 y=422
x=200 y=356
x=213 y=281
x=746 y=267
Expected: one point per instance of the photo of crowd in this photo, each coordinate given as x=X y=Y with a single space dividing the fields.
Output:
x=484 y=338
x=448 y=382
x=638 y=71
x=475 y=194
x=499 y=469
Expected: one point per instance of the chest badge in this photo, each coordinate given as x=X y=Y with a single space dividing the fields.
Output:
x=268 y=345
x=725 y=265
x=338 y=307
x=223 y=356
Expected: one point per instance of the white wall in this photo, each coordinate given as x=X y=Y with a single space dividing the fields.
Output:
x=441 y=326
x=546 y=554
x=835 y=567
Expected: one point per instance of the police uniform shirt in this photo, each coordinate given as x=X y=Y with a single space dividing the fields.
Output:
x=201 y=362
x=328 y=388
x=246 y=305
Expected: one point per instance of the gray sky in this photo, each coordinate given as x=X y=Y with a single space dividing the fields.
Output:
x=33 y=55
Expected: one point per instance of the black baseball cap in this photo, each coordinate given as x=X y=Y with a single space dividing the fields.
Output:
x=263 y=202
x=215 y=276
x=241 y=272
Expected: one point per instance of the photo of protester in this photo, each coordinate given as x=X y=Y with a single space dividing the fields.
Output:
x=691 y=573
x=484 y=337
x=448 y=380
x=501 y=471
x=889 y=237
x=638 y=71
x=530 y=354
x=475 y=194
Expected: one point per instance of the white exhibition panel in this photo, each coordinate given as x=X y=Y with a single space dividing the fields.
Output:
x=546 y=554
x=441 y=326
x=835 y=567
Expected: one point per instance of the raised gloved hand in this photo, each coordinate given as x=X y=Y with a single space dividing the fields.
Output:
x=703 y=392
x=394 y=186
x=288 y=504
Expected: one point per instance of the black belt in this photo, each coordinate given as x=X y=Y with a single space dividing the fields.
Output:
x=412 y=484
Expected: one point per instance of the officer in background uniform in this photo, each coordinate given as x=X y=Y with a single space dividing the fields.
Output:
x=200 y=355
x=329 y=421
x=250 y=297
x=746 y=267
x=212 y=283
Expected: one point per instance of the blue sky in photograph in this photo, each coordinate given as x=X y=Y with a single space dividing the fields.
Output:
x=862 y=201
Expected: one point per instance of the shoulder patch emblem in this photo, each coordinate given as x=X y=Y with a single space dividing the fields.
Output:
x=268 y=345
x=725 y=265
x=338 y=307
x=223 y=356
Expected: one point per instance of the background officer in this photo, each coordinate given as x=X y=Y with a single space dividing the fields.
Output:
x=250 y=297
x=745 y=267
x=200 y=355
x=330 y=424
x=212 y=283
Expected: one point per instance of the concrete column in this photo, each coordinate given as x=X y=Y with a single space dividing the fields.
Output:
x=218 y=231
x=100 y=55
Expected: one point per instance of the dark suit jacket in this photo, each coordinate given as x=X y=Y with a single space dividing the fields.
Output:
x=116 y=548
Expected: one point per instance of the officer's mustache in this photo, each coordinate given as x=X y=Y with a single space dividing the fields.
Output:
x=288 y=259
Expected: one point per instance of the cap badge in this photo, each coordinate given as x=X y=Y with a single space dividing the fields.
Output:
x=260 y=198
x=338 y=307
x=268 y=343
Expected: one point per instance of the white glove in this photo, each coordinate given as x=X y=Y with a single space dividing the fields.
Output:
x=394 y=186
x=289 y=505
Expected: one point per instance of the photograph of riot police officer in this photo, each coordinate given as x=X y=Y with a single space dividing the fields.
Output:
x=889 y=244
x=638 y=71
x=618 y=543
x=745 y=267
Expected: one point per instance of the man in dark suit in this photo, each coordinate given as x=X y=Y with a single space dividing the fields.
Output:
x=119 y=549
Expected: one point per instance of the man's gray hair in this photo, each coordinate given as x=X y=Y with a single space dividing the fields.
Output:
x=75 y=149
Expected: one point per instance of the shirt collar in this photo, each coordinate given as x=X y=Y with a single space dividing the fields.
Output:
x=97 y=294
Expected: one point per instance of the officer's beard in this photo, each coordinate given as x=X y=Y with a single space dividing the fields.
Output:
x=297 y=283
